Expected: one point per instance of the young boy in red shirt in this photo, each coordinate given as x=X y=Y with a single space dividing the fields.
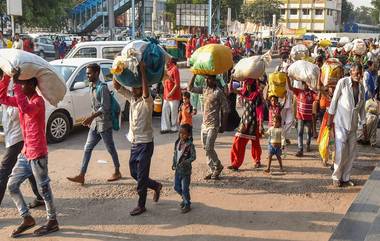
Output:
x=305 y=99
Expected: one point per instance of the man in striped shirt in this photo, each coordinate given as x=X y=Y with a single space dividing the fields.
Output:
x=305 y=99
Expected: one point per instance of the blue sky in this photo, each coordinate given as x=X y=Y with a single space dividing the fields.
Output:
x=358 y=3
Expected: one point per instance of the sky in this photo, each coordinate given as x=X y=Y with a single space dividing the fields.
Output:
x=358 y=3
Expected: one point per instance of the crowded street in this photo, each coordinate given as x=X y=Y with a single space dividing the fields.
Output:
x=202 y=120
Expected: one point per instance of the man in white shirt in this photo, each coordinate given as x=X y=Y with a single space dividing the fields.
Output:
x=18 y=43
x=13 y=144
x=141 y=136
x=348 y=108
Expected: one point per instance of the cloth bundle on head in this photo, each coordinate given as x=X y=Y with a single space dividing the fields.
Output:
x=304 y=71
x=51 y=84
x=252 y=67
x=125 y=67
x=211 y=59
x=277 y=84
x=324 y=43
x=332 y=71
x=299 y=52
x=360 y=47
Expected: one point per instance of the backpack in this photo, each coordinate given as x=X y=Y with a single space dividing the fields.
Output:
x=115 y=108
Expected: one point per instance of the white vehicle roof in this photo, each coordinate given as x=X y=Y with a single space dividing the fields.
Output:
x=101 y=43
x=78 y=61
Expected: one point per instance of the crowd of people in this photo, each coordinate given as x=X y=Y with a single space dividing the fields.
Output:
x=342 y=107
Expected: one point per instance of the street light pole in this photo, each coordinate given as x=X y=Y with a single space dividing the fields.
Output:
x=133 y=20
x=111 y=19
x=209 y=17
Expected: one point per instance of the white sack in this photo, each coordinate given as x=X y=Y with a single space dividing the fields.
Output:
x=252 y=67
x=50 y=83
x=305 y=71
x=360 y=47
x=135 y=48
x=299 y=52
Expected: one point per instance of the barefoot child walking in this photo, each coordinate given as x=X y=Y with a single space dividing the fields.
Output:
x=276 y=143
x=184 y=155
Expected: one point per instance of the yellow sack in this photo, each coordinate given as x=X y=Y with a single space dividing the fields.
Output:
x=324 y=144
x=277 y=84
x=212 y=59
x=332 y=71
x=325 y=43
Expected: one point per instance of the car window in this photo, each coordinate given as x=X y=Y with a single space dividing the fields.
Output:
x=43 y=40
x=81 y=76
x=85 y=53
x=106 y=71
x=65 y=71
x=111 y=52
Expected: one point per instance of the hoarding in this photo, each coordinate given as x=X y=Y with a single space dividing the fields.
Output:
x=14 y=7
x=195 y=15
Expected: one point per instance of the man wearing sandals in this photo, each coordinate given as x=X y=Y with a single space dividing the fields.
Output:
x=33 y=159
x=13 y=146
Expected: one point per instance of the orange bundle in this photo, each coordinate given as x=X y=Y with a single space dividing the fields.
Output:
x=332 y=71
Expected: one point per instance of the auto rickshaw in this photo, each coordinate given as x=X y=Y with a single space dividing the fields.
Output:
x=176 y=47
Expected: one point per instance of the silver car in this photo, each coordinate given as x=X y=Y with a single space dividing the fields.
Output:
x=44 y=47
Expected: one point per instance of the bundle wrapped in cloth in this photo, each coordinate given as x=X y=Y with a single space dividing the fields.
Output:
x=252 y=67
x=299 y=52
x=212 y=59
x=277 y=84
x=125 y=67
x=305 y=71
x=360 y=47
x=332 y=71
x=50 y=83
x=348 y=47
x=324 y=43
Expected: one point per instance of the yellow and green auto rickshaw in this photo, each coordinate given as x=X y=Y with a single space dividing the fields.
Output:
x=176 y=47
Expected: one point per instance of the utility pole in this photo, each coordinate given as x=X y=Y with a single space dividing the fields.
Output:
x=209 y=17
x=154 y=17
x=111 y=19
x=133 y=19
x=218 y=19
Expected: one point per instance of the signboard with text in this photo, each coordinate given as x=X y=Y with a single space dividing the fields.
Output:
x=14 y=7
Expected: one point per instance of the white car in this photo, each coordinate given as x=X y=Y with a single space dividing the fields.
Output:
x=76 y=105
x=97 y=49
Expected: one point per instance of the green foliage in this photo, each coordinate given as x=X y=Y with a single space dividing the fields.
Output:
x=347 y=11
x=365 y=15
x=50 y=14
x=261 y=11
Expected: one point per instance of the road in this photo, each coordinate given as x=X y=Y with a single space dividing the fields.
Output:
x=242 y=206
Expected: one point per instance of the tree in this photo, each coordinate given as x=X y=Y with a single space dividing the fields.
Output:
x=347 y=11
x=365 y=15
x=376 y=11
x=261 y=11
x=50 y=14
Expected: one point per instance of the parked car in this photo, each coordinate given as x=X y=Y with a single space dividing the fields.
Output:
x=76 y=105
x=97 y=49
x=43 y=46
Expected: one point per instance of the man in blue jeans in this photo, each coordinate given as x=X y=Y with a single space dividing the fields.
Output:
x=100 y=123
x=141 y=136
x=33 y=160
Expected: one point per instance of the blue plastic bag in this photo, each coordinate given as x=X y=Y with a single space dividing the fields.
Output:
x=154 y=60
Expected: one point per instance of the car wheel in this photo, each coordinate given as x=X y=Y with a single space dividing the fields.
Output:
x=42 y=54
x=58 y=127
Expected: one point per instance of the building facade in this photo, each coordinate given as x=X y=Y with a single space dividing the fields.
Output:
x=314 y=15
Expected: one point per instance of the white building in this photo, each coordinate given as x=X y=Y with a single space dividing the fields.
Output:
x=314 y=15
